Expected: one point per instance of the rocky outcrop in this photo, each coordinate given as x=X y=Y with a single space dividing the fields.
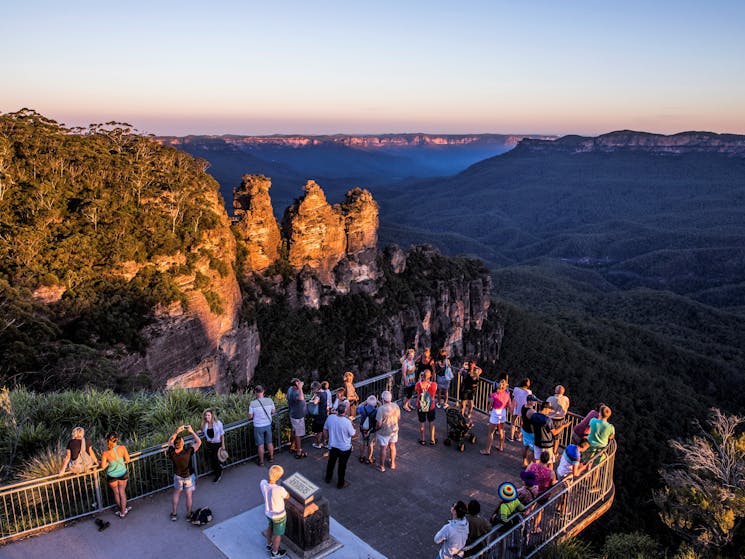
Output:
x=360 y=220
x=315 y=233
x=629 y=140
x=256 y=225
x=333 y=243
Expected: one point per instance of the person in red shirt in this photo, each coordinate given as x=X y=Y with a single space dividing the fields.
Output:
x=426 y=391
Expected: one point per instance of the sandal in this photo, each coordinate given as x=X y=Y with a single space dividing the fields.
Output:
x=381 y=468
x=423 y=443
x=301 y=454
x=485 y=452
x=433 y=443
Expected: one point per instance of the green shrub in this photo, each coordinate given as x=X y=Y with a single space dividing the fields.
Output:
x=571 y=548
x=635 y=545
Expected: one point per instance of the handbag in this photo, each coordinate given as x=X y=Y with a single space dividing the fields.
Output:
x=448 y=372
x=83 y=462
x=222 y=455
x=312 y=408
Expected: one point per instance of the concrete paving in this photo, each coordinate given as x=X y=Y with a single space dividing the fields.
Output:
x=395 y=512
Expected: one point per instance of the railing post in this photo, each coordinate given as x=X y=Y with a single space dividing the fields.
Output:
x=99 y=492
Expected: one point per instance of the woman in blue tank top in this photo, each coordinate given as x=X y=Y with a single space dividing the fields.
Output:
x=114 y=462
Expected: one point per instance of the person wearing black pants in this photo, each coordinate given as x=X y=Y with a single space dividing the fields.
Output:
x=340 y=431
x=215 y=439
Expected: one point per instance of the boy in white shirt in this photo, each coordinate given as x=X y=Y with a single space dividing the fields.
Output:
x=274 y=509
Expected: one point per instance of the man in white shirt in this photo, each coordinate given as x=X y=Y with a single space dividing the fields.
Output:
x=340 y=431
x=260 y=411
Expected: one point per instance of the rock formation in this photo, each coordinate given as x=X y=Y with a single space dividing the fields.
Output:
x=360 y=220
x=315 y=233
x=256 y=224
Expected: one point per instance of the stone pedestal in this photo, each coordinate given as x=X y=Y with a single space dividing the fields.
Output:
x=307 y=533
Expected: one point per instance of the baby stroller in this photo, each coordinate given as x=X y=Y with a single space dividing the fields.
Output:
x=459 y=429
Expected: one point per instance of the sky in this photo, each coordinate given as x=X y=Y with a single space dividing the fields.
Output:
x=324 y=67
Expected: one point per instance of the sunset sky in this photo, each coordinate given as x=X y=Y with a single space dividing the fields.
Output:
x=246 y=67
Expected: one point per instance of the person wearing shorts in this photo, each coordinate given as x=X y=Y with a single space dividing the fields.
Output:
x=470 y=374
x=274 y=510
x=425 y=404
x=114 y=462
x=184 y=478
x=500 y=402
x=298 y=411
x=387 y=434
x=261 y=411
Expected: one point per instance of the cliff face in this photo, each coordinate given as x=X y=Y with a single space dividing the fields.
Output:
x=206 y=345
x=629 y=140
x=256 y=225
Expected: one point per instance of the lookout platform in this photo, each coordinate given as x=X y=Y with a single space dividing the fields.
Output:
x=396 y=512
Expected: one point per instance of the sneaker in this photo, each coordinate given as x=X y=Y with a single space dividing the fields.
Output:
x=279 y=553
x=174 y=517
x=269 y=547
x=438 y=405
x=316 y=445
x=445 y=406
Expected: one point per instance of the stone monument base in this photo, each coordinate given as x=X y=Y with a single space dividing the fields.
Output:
x=307 y=534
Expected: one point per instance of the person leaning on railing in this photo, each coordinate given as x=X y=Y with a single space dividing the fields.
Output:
x=79 y=455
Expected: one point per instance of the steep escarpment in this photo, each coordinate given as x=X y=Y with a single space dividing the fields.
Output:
x=630 y=140
x=116 y=262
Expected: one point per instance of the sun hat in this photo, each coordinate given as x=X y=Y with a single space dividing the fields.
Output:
x=507 y=492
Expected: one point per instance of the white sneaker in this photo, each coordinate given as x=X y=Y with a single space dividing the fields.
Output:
x=446 y=406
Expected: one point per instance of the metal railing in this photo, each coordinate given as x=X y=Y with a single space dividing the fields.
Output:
x=28 y=506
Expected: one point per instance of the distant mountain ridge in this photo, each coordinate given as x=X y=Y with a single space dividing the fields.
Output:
x=630 y=140
x=369 y=141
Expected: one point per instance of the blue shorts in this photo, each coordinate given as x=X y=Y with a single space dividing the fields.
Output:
x=528 y=439
x=185 y=483
x=263 y=435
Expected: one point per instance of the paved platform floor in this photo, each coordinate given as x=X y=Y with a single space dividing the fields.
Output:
x=396 y=512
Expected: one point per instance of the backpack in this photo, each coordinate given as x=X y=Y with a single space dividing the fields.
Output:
x=425 y=401
x=83 y=462
x=201 y=516
x=368 y=424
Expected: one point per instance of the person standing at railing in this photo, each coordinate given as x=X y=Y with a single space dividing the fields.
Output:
x=260 y=411
x=114 y=462
x=214 y=434
x=545 y=479
x=582 y=428
x=408 y=378
x=319 y=410
x=469 y=374
x=79 y=456
x=544 y=432
x=526 y=428
x=454 y=534
x=351 y=394
x=601 y=432
x=500 y=402
x=443 y=376
x=298 y=411
x=184 y=477
x=519 y=398
x=560 y=404
x=368 y=425
x=570 y=468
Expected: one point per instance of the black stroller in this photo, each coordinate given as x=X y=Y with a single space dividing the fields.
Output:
x=459 y=429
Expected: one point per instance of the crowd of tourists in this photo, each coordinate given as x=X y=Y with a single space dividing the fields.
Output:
x=338 y=421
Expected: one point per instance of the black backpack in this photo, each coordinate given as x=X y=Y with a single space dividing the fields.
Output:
x=201 y=516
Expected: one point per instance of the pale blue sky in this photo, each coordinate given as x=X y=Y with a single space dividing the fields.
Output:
x=553 y=66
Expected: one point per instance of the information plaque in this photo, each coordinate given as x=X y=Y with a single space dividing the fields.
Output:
x=300 y=487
